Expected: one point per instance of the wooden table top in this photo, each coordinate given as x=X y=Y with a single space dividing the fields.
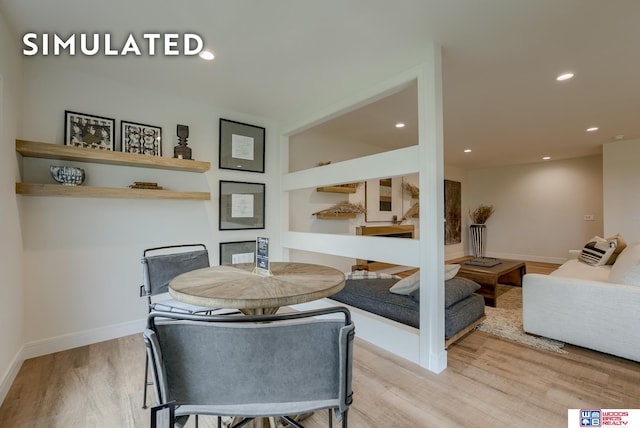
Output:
x=505 y=265
x=236 y=287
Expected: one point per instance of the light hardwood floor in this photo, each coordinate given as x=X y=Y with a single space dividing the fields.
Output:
x=489 y=382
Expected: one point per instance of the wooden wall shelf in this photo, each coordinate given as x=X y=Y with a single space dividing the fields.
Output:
x=337 y=189
x=56 y=151
x=335 y=216
x=35 y=189
x=34 y=149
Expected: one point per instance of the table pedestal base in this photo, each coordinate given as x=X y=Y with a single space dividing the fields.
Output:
x=259 y=311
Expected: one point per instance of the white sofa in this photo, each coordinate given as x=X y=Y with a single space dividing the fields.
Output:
x=595 y=307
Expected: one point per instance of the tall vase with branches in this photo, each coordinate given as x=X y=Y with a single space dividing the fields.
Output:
x=478 y=229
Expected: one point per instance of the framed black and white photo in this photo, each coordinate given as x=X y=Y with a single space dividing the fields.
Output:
x=241 y=146
x=232 y=253
x=140 y=138
x=241 y=205
x=88 y=131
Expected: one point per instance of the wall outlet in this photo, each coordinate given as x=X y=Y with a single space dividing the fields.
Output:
x=589 y=217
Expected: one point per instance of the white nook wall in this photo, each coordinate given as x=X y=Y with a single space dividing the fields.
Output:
x=621 y=184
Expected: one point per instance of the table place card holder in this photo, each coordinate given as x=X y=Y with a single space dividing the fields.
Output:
x=164 y=415
x=262 y=257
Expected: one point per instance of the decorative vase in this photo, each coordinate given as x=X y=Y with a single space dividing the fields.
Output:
x=478 y=239
x=67 y=175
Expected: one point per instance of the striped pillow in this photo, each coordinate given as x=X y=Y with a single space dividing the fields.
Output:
x=597 y=251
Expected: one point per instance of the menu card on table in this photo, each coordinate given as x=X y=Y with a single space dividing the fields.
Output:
x=262 y=256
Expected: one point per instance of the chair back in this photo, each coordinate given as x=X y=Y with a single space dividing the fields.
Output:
x=162 y=264
x=252 y=366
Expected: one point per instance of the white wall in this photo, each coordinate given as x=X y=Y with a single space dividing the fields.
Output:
x=10 y=241
x=539 y=207
x=83 y=254
x=621 y=183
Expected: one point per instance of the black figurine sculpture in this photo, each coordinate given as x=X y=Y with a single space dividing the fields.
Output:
x=181 y=151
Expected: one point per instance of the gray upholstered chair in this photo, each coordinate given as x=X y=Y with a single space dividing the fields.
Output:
x=253 y=366
x=159 y=266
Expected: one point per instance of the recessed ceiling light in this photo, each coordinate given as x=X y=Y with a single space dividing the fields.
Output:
x=592 y=129
x=208 y=55
x=399 y=125
x=467 y=150
x=619 y=137
x=564 y=76
x=546 y=158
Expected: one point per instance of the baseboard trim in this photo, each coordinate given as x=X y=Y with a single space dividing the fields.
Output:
x=10 y=375
x=81 y=338
x=529 y=257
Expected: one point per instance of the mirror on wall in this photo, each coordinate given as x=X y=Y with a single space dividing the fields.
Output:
x=383 y=199
x=385 y=195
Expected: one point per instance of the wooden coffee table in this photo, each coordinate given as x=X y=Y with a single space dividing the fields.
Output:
x=506 y=272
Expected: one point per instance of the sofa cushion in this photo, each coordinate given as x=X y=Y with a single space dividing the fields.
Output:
x=575 y=269
x=621 y=244
x=455 y=290
x=597 y=251
x=626 y=269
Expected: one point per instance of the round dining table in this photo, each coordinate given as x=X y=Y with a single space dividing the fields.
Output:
x=238 y=287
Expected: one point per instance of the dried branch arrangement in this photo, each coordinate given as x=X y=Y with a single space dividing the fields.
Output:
x=481 y=214
x=343 y=207
x=413 y=212
x=412 y=189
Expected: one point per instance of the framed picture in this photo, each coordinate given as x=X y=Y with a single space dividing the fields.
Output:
x=140 y=138
x=241 y=146
x=383 y=199
x=241 y=205
x=88 y=131
x=237 y=252
x=452 y=212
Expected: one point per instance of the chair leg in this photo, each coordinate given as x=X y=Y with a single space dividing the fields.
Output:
x=146 y=380
x=291 y=422
x=196 y=421
x=344 y=418
x=330 y=419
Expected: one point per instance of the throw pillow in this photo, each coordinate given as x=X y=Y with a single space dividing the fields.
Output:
x=407 y=285
x=458 y=289
x=597 y=251
x=450 y=271
x=412 y=283
x=621 y=244
x=365 y=274
x=626 y=269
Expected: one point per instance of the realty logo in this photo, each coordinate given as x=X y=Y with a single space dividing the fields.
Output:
x=90 y=44
x=590 y=418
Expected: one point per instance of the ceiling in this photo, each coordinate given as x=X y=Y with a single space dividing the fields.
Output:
x=288 y=59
